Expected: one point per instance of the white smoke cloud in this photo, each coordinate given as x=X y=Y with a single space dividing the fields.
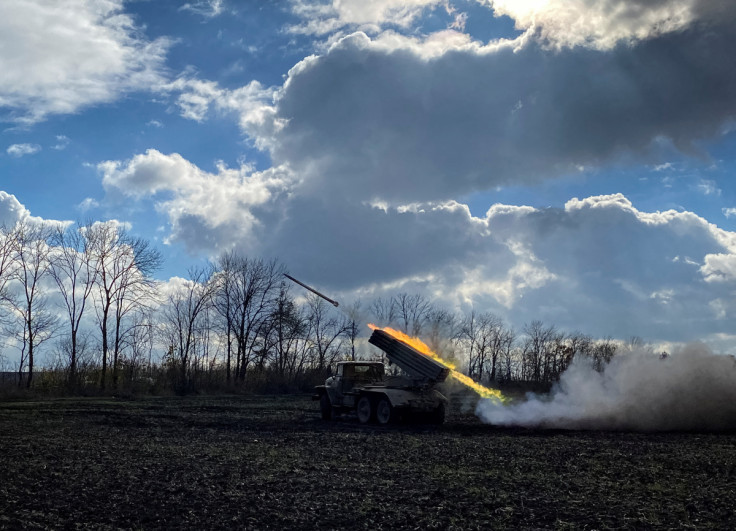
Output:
x=692 y=389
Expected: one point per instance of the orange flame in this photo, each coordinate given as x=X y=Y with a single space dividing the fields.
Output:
x=421 y=346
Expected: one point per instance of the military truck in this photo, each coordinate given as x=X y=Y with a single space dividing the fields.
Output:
x=362 y=387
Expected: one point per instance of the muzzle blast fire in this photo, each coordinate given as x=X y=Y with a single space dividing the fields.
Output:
x=492 y=394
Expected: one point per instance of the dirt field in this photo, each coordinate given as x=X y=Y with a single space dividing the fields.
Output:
x=271 y=463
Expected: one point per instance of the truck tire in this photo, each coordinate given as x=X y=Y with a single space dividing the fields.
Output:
x=438 y=415
x=384 y=411
x=365 y=410
x=325 y=407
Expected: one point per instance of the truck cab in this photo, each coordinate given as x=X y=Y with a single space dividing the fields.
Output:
x=349 y=376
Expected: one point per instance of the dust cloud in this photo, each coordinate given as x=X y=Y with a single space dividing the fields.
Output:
x=693 y=389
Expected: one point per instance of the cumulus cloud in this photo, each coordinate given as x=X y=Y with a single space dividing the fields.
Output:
x=20 y=150
x=432 y=118
x=60 y=57
x=252 y=103
x=595 y=23
x=605 y=24
x=373 y=142
x=598 y=261
x=12 y=211
x=208 y=212
x=381 y=119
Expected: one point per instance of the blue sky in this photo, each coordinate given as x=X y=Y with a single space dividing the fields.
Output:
x=568 y=161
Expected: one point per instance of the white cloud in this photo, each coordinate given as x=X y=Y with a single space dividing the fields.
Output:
x=62 y=142
x=252 y=103
x=205 y=8
x=88 y=204
x=327 y=17
x=719 y=268
x=604 y=24
x=400 y=119
x=209 y=212
x=729 y=212
x=59 y=57
x=407 y=119
x=372 y=140
x=12 y=211
x=599 y=264
x=708 y=187
x=20 y=150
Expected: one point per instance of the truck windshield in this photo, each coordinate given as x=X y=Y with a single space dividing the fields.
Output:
x=367 y=372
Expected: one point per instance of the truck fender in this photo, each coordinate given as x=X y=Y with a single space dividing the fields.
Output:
x=397 y=397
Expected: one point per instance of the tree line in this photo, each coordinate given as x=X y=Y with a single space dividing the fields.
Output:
x=87 y=294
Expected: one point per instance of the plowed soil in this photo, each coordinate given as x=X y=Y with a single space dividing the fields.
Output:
x=271 y=463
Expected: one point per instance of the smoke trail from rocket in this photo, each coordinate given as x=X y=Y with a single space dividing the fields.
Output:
x=693 y=389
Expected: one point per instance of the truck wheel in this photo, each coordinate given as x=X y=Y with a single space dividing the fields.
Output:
x=438 y=415
x=325 y=407
x=364 y=410
x=384 y=411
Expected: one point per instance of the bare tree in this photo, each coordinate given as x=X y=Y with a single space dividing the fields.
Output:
x=124 y=268
x=383 y=311
x=75 y=274
x=636 y=343
x=7 y=266
x=580 y=344
x=352 y=328
x=182 y=313
x=224 y=304
x=412 y=312
x=602 y=352
x=442 y=330
x=325 y=331
x=136 y=292
x=287 y=332
x=536 y=347
x=252 y=289
x=509 y=355
x=31 y=254
x=485 y=337
x=139 y=342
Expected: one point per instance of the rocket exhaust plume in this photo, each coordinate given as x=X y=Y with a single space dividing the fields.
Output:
x=493 y=395
x=693 y=389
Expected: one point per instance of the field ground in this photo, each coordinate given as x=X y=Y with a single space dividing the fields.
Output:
x=271 y=463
